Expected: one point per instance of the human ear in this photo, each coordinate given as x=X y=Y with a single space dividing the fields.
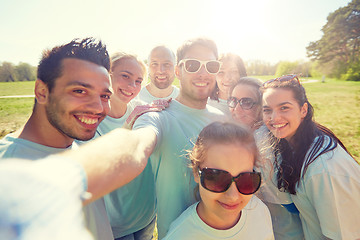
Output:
x=41 y=91
x=196 y=176
x=177 y=72
x=304 y=110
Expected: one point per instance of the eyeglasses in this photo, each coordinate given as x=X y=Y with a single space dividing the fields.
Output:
x=194 y=65
x=218 y=181
x=245 y=103
x=284 y=79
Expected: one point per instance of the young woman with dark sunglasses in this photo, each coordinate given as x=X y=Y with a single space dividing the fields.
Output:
x=223 y=160
x=231 y=70
x=311 y=163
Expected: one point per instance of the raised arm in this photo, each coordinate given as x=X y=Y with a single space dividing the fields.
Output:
x=114 y=159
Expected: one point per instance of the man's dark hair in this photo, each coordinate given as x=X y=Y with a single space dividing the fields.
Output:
x=205 y=42
x=88 y=49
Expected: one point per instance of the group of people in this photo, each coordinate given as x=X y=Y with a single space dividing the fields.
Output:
x=225 y=156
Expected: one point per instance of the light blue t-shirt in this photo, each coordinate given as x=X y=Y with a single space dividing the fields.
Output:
x=176 y=128
x=145 y=96
x=328 y=196
x=133 y=206
x=254 y=223
x=11 y=147
x=42 y=199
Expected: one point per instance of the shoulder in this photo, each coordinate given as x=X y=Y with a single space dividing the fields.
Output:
x=214 y=110
x=144 y=95
x=336 y=161
x=11 y=147
x=184 y=226
x=136 y=102
x=256 y=203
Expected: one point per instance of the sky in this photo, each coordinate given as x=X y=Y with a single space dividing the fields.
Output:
x=266 y=30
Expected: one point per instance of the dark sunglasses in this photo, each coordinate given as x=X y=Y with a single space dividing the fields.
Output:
x=194 y=65
x=245 y=103
x=285 y=78
x=218 y=181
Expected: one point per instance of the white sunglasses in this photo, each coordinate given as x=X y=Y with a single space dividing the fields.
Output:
x=194 y=65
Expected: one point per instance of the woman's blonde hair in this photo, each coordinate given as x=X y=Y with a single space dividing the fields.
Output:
x=116 y=57
x=222 y=133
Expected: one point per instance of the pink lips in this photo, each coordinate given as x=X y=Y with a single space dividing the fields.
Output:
x=229 y=206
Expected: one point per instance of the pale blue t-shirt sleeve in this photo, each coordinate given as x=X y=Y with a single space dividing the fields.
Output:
x=150 y=120
x=42 y=199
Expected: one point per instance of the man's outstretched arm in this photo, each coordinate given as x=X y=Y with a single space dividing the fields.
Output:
x=114 y=159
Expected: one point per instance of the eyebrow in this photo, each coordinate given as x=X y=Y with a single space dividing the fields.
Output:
x=164 y=61
x=280 y=104
x=127 y=72
x=86 y=85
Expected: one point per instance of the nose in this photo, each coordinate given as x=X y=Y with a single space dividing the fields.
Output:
x=161 y=68
x=97 y=105
x=274 y=115
x=202 y=70
x=228 y=76
x=132 y=83
x=232 y=193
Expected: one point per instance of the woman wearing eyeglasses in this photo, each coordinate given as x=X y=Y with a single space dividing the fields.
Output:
x=244 y=102
x=231 y=70
x=222 y=161
x=311 y=163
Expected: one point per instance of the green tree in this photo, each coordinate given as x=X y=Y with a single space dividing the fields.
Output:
x=298 y=67
x=25 y=72
x=286 y=67
x=338 y=48
x=258 y=67
x=7 y=72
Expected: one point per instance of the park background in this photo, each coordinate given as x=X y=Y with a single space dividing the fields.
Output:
x=319 y=39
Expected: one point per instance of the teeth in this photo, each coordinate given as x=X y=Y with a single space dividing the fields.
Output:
x=200 y=84
x=161 y=78
x=126 y=93
x=88 y=120
x=278 y=125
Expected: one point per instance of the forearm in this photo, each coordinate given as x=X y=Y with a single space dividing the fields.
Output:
x=114 y=159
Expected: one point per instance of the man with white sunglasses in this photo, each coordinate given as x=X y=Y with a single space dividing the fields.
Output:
x=177 y=127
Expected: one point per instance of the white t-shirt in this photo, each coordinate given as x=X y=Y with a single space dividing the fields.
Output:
x=254 y=223
x=328 y=196
x=145 y=96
